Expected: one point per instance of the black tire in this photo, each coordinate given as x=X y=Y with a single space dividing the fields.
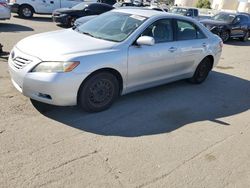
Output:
x=98 y=92
x=201 y=71
x=246 y=36
x=225 y=35
x=26 y=11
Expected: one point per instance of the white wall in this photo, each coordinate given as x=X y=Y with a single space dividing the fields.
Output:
x=235 y=5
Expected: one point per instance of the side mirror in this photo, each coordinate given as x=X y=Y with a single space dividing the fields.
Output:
x=236 y=21
x=86 y=10
x=145 y=40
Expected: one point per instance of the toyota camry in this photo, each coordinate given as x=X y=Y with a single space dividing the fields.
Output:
x=113 y=54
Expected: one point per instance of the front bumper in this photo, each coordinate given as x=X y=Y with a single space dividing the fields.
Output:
x=14 y=7
x=63 y=19
x=5 y=13
x=52 y=88
x=214 y=29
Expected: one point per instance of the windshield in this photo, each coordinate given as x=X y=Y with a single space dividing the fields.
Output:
x=179 y=11
x=112 y=26
x=224 y=17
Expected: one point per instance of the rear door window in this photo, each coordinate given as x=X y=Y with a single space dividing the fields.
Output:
x=188 y=31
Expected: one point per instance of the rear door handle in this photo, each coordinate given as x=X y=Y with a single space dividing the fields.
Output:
x=172 y=49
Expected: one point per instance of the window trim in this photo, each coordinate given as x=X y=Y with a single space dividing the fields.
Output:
x=173 y=29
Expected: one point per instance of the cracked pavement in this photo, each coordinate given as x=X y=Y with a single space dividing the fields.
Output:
x=176 y=135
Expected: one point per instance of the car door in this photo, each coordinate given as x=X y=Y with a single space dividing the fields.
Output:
x=243 y=24
x=239 y=25
x=149 y=65
x=46 y=6
x=191 y=44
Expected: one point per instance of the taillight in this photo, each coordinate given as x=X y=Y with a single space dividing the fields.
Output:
x=221 y=44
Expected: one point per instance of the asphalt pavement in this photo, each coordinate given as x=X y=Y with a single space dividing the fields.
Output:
x=175 y=135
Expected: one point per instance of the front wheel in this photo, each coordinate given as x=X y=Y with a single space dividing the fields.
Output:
x=225 y=35
x=98 y=92
x=201 y=71
x=25 y=11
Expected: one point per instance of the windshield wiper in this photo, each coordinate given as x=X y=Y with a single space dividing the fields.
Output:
x=86 y=33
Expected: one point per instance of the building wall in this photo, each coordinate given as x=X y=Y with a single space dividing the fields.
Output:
x=234 y=5
x=244 y=7
x=189 y=3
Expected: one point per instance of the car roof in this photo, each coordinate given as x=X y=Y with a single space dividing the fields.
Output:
x=146 y=12
x=99 y=4
x=184 y=7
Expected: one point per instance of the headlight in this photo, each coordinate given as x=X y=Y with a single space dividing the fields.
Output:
x=62 y=15
x=55 y=66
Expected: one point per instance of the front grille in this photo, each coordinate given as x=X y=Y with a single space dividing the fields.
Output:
x=20 y=62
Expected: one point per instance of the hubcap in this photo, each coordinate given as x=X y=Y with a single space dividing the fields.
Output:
x=203 y=71
x=101 y=92
x=27 y=12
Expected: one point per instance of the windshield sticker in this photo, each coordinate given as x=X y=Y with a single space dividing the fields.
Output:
x=137 y=17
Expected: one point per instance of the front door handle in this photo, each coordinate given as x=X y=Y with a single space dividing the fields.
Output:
x=204 y=45
x=172 y=49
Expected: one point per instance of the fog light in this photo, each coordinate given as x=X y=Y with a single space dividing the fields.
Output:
x=46 y=96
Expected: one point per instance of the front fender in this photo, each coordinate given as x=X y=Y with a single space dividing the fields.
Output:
x=93 y=61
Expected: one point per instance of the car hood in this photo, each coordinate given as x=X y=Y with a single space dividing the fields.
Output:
x=213 y=22
x=58 y=45
x=84 y=19
x=66 y=10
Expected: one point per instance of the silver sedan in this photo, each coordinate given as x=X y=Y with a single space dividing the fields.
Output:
x=4 y=10
x=118 y=52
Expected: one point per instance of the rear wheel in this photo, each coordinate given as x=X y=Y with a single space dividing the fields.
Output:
x=201 y=71
x=225 y=35
x=25 y=11
x=246 y=36
x=98 y=92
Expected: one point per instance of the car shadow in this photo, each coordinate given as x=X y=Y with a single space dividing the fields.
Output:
x=237 y=42
x=37 y=18
x=63 y=26
x=10 y=27
x=4 y=55
x=162 y=109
